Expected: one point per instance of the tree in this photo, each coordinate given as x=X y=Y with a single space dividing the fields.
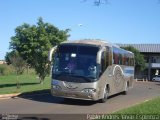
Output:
x=139 y=58
x=17 y=62
x=8 y=56
x=33 y=43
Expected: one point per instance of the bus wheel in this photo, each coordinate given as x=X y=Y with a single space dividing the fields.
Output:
x=126 y=89
x=105 y=95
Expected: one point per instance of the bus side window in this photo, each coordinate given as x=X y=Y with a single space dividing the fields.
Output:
x=103 y=62
x=108 y=56
x=106 y=59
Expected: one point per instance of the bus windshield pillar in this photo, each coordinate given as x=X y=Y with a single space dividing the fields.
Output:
x=51 y=53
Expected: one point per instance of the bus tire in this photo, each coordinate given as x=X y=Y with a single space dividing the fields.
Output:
x=105 y=95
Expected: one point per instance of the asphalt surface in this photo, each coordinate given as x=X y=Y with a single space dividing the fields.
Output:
x=47 y=104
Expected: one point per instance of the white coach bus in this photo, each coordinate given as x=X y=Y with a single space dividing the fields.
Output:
x=90 y=70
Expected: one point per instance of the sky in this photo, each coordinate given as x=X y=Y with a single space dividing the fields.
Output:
x=117 y=21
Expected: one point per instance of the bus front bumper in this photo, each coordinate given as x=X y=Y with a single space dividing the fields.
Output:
x=75 y=94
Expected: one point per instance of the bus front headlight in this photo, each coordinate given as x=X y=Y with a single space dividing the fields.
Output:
x=89 y=90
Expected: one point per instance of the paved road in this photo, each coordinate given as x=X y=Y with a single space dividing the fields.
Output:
x=42 y=104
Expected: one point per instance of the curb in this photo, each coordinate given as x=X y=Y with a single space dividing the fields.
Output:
x=35 y=93
x=7 y=96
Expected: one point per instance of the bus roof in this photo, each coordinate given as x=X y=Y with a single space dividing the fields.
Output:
x=95 y=42
x=90 y=42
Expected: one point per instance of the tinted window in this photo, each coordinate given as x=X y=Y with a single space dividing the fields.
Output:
x=75 y=61
x=67 y=49
x=122 y=57
x=88 y=50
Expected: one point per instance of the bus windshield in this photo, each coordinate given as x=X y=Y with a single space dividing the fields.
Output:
x=76 y=61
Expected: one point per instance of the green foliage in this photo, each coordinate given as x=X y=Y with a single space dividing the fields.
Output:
x=139 y=58
x=7 y=57
x=17 y=62
x=6 y=69
x=33 y=43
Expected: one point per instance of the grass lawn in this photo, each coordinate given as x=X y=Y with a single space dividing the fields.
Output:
x=149 y=110
x=149 y=107
x=28 y=83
